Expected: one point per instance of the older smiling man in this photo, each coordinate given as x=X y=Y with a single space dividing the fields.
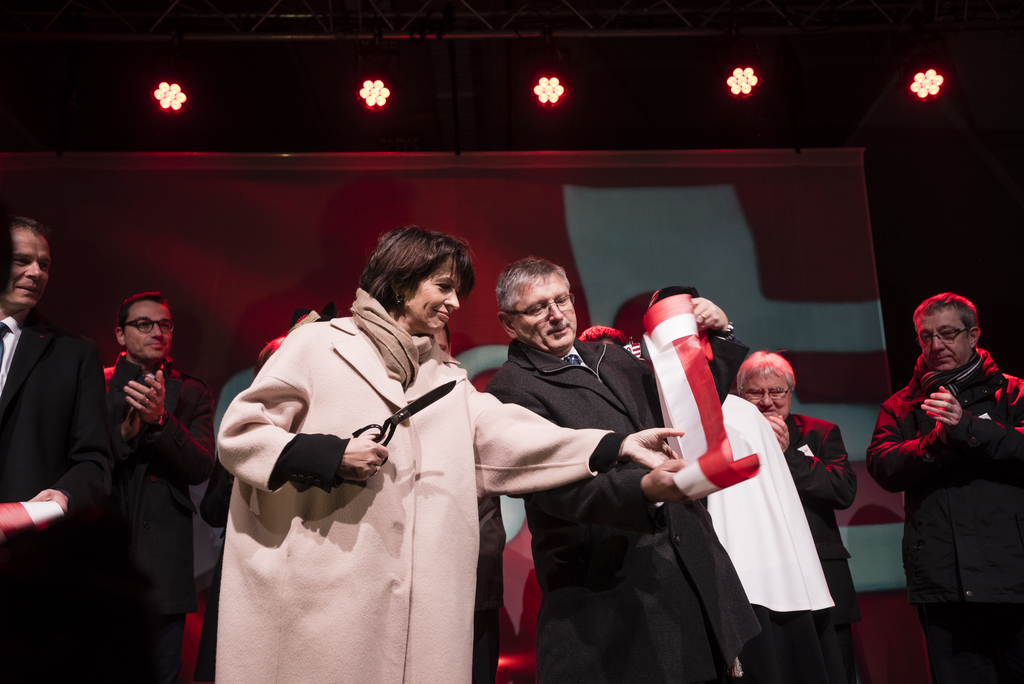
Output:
x=823 y=477
x=952 y=442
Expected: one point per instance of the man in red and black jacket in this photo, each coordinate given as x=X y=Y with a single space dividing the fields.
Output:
x=953 y=442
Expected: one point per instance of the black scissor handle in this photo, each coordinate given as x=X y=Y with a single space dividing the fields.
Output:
x=385 y=432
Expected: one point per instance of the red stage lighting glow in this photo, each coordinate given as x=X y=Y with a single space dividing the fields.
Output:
x=927 y=84
x=742 y=82
x=170 y=96
x=548 y=91
x=374 y=94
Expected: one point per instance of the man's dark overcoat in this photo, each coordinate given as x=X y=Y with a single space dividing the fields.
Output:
x=630 y=592
x=53 y=429
x=151 y=477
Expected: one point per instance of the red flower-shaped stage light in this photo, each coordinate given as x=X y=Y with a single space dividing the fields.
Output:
x=548 y=91
x=742 y=82
x=170 y=96
x=927 y=84
x=374 y=94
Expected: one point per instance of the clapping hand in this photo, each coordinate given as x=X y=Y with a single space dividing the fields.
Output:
x=145 y=404
x=781 y=431
x=945 y=409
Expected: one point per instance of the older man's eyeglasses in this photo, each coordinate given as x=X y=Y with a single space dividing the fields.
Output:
x=946 y=336
x=758 y=394
x=144 y=325
x=564 y=303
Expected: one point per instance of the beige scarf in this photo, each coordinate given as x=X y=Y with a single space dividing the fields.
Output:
x=402 y=352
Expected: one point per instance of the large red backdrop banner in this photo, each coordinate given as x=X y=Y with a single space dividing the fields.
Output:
x=780 y=240
x=239 y=241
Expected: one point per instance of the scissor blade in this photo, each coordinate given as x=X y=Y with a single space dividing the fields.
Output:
x=417 y=405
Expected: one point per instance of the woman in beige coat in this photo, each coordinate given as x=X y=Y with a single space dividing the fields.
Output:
x=346 y=561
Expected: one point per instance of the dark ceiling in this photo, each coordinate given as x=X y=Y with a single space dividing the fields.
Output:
x=281 y=76
x=945 y=179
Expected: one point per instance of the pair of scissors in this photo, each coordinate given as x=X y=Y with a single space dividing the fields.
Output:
x=387 y=430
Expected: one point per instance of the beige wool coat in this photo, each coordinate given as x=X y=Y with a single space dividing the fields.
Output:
x=369 y=584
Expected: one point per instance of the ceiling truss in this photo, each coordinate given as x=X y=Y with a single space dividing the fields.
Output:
x=330 y=20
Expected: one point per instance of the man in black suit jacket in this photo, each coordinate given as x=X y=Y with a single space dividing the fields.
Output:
x=631 y=592
x=161 y=424
x=53 y=433
x=823 y=477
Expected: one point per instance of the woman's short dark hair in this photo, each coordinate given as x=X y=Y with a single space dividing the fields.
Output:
x=406 y=256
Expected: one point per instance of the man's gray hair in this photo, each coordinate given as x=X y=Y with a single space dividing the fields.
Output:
x=518 y=275
x=964 y=308
x=761 y=364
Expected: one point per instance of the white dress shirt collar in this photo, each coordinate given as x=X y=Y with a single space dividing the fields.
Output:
x=10 y=344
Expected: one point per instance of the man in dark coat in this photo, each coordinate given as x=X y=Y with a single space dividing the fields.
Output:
x=161 y=424
x=953 y=442
x=631 y=592
x=823 y=477
x=53 y=433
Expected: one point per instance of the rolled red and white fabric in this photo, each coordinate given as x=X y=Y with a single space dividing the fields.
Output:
x=759 y=520
x=719 y=458
x=20 y=515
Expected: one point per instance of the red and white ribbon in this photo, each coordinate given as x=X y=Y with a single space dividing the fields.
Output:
x=20 y=515
x=689 y=401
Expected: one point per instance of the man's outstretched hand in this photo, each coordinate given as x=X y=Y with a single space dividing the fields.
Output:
x=648 y=447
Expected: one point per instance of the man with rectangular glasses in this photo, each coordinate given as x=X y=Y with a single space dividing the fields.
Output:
x=631 y=592
x=161 y=426
x=953 y=442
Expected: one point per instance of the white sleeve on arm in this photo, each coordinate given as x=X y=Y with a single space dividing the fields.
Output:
x=517 y=451
x=257 y=426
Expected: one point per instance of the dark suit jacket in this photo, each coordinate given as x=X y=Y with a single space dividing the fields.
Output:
x=53 y=429
x=630 y=593
x=490 y=586
x=151 y=478
x=825 y=482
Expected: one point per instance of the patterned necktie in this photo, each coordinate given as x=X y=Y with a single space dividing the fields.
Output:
x=573 y=359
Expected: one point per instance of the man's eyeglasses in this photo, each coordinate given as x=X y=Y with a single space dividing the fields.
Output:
x=773 y=392
x=946 y=336
x=564 y=303
x=144 y=325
